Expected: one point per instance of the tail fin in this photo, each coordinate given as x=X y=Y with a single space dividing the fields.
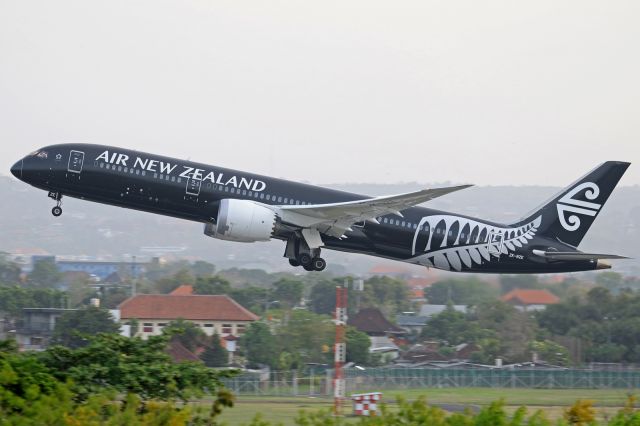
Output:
x=569 y=215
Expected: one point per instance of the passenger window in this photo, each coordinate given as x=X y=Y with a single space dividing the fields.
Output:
x=286 y=200
x=161 y=176
x=297 y=202
x=279 y=199
x=155 y=176
x=244 y=192
x=262 y=196
x=402 y=223
x=226 y=189
x=250 y=194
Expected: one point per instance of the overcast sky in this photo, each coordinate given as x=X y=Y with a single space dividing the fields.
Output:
x=481 y=92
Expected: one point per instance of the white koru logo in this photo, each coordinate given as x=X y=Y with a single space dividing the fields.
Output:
x=567 y=204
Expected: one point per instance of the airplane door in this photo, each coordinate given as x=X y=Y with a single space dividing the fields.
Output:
x=494 y=245
x=76 y=159
x=193 y=187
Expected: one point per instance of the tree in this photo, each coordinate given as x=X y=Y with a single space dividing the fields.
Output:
x=129 y=365
x=452 y=327
x=551 y=352
x=168 y=284
x=322 y=299
x=215 y=355
x=9 y=271
x=460 y=291
x=202 y=269
x=358 y=344
x=212 y=285
x=389 y=295
x=45 y=274
x=187 y=333
x=510 y=282
x=288 y=291
x=74 y=327
x=14 y=299
x=259 y=345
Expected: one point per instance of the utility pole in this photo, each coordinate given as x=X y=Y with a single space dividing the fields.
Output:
x=340 y=348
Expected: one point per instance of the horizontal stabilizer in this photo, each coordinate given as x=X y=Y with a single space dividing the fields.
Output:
x=575 y=255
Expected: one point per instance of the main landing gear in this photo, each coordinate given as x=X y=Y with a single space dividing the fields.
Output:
x=300 y=254
x=57 y=210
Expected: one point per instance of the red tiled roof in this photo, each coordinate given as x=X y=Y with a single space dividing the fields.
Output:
x=195 y=307
x=530 y=297
x=183 y=290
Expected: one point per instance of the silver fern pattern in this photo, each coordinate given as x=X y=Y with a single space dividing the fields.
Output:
x=451 y=242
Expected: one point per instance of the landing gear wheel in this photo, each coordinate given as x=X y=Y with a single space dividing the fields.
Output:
x=294 y=262
x=56 y=211
x=305 y=260
x=318 y=264
x=308 y=268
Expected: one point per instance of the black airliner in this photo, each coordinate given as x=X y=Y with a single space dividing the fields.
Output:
x=245 y=207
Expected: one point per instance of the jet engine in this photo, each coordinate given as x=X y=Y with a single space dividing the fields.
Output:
x=242 y=221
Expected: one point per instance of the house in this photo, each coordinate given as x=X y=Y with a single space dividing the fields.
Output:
x=381 y=332
x=35 y=329
x=183 y=290
x=409 y=322
x=530 y=299
x=213 y=313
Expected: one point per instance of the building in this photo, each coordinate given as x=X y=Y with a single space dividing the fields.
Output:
x=530 y=299
x=379 y=329
x=409 y=322
x=35 y=329
x=213 y=313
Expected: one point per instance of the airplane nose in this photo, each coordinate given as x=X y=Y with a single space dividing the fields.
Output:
x=16 y=170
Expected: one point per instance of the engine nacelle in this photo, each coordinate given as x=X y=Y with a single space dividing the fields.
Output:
x=242 y=221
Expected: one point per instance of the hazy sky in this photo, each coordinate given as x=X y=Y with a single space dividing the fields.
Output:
x=481 y=92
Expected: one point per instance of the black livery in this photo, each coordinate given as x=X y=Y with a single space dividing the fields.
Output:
x=245 y=207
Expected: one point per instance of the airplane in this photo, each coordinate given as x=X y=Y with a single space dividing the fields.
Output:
x=246 y=207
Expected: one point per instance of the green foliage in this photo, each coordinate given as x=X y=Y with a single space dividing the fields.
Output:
x=358 y=344
x=550 y=352
x=322 y=299
x=9 y=271
x=259 y=345
x=73 y=327
x=288 y=292
x=215 y=355
x=45 y=274
x=14 y=299
x=212 y=285
x=511 y=282
x=166 y=284
x=129 y=365
x=187 y=333
x=202 y=269
x=460 y=291
x=389 y=295
x=453 y=327
x=607 y=325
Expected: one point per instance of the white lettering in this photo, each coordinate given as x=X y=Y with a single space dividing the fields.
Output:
x=187 y=172
x=246 y=183
x=210 y=177
x=152 y=165
x=104 y=156
x=122 y=159
x=197 y=174
x=259 y=185
x=232 y=181
x=167 y=167
x=219 y=181
x=140 y=163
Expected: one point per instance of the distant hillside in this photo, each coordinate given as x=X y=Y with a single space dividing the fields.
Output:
x=97 y=230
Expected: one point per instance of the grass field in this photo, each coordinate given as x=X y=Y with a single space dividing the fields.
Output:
x=552 y=401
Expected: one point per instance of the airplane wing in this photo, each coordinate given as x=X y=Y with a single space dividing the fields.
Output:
x=336 y=218
x=573 y=255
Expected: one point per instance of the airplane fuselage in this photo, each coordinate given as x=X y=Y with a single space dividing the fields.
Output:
x=193 y=191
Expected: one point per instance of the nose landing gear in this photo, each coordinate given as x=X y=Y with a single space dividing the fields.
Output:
x=57 y=210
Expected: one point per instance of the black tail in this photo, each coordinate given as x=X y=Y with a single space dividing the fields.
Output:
x=569 y=215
